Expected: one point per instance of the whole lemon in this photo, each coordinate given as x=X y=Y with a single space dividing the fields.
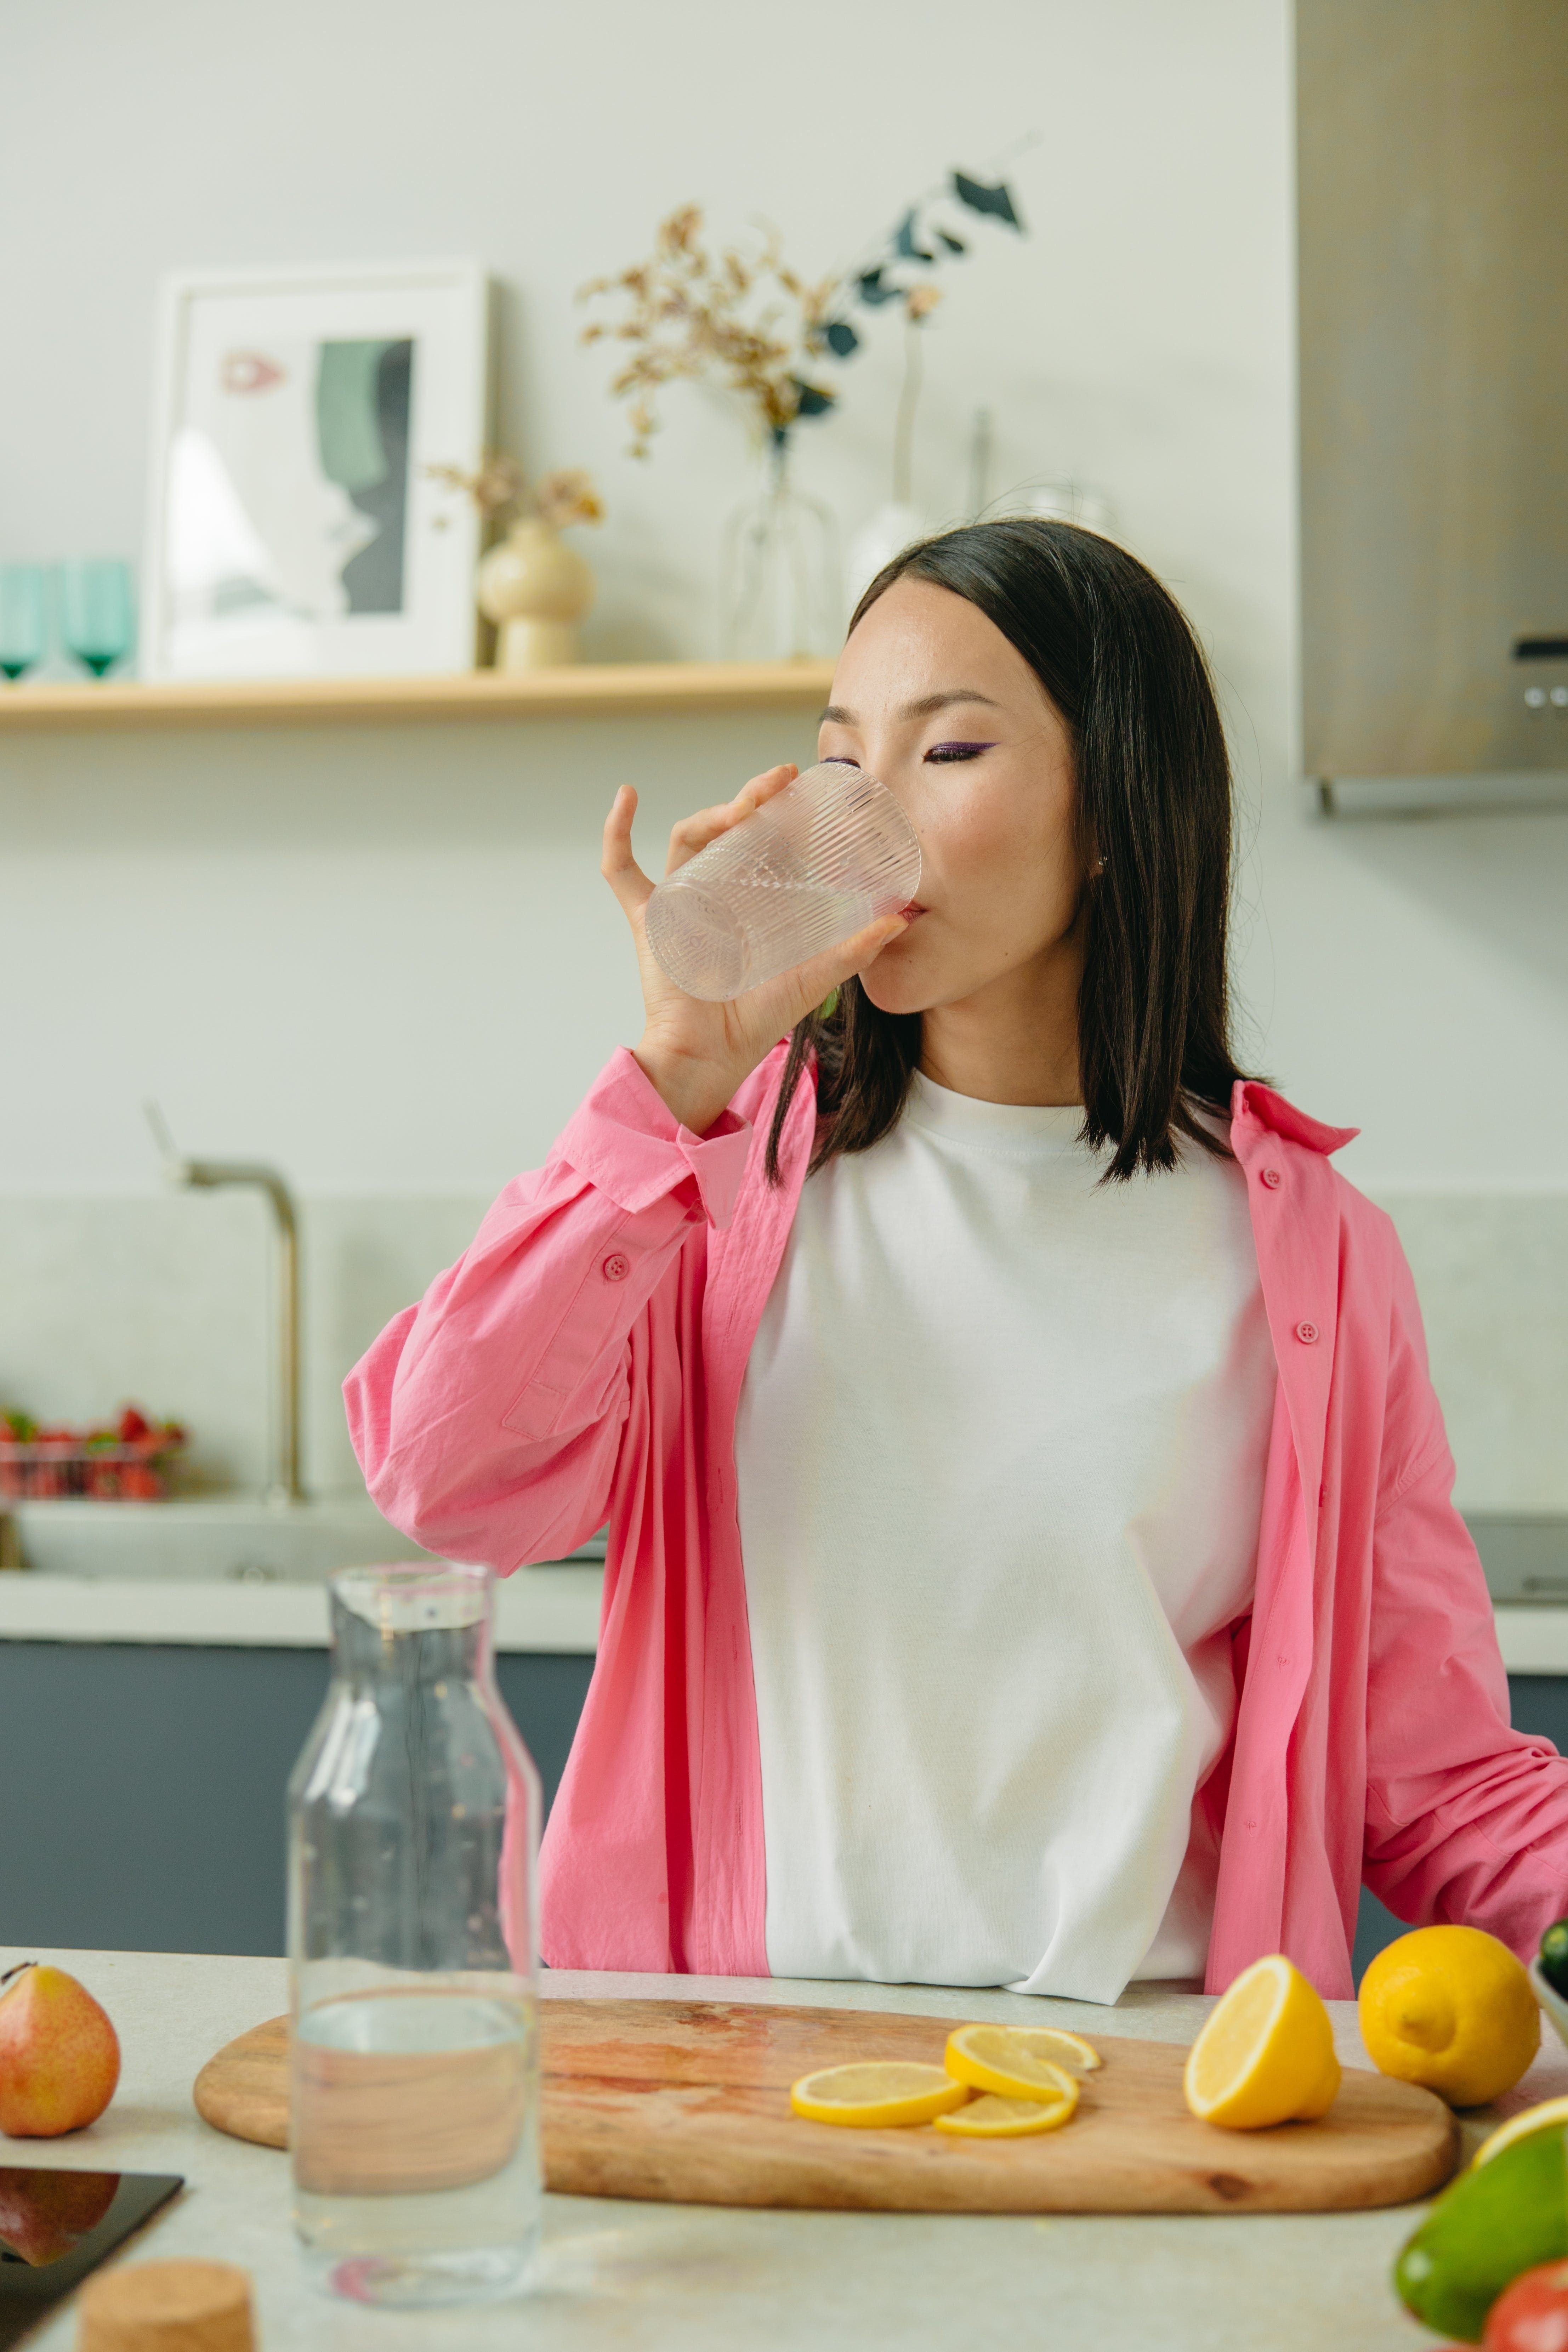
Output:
x=1452 y=2009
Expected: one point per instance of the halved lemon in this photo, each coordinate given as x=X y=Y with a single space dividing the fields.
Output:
x=875 y=2095
x=989 y=2117
x=1017 y=2062
x=1266 y=2054
x=1520 y=2127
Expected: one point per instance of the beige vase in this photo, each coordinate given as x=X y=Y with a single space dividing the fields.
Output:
x=535 y=589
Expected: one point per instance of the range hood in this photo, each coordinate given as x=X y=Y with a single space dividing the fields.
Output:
x=1432 y=212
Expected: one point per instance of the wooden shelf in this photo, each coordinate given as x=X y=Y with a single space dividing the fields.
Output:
x=590 y=690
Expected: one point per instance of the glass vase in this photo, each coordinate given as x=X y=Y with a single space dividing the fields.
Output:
x=780 y=587
x=98 y=614
x=414 y=1835
x=22 y=629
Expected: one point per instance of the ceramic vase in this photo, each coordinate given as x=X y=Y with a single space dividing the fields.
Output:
x=882 y=536
x=535 y=589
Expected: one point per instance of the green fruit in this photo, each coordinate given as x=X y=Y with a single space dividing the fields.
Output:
x=1555 y=1956
x=1498 y=2220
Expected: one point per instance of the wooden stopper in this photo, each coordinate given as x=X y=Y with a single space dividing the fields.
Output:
x=168 y=2307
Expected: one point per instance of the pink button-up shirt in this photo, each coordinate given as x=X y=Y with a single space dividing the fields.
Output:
x=583 y=1361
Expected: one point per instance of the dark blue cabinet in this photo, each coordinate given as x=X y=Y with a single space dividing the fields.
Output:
x=141 y=1786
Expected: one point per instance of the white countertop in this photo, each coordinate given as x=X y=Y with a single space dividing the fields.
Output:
x=236 y=1572
x=540 y=1609
x=1533 y=1640
x=705 y=2279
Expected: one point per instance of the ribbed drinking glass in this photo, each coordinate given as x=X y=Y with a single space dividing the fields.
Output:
x=414 y=1833
x=812 y=866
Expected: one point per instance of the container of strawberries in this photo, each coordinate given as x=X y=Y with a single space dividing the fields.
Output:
x=131 y=1460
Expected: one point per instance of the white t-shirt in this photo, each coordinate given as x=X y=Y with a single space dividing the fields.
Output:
x=1000 y=1454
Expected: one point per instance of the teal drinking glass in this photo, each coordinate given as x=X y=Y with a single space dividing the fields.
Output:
x=21 y=627
x=97 y=618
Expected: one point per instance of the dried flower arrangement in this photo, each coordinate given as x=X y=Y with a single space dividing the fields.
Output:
x=499 y=487
x=762 y=330
x=748 y=321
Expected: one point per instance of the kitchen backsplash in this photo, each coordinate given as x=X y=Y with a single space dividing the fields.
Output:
x=168 y=1301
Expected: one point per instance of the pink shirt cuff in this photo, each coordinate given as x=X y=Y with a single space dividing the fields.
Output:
x=625 y=1141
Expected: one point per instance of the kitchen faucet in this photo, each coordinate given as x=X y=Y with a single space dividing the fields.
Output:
x=208 y=1175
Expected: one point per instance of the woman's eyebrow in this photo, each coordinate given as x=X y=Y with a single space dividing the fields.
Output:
x=835 y=714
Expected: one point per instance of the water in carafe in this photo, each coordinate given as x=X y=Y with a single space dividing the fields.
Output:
x=415 y=2057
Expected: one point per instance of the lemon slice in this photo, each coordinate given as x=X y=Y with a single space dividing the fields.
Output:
x=875 y=2095
x=1520 y=2127
x=1017 y=2062
x=989 y=2117
x=1266 y=2054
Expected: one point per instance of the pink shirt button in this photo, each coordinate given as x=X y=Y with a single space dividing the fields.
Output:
x=616 y=1268
x=1306 y=1333
x=1273 y=1179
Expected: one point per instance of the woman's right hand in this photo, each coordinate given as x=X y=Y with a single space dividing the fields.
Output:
x=698 y=1054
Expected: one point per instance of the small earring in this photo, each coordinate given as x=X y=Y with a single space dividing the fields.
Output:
x=1100 y=866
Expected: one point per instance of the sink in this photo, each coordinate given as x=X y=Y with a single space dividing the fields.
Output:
x=217 y=1537
x=237 y=1538
x=1524 y=1555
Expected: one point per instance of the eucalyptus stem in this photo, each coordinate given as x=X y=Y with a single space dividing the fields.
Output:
x=904 y=425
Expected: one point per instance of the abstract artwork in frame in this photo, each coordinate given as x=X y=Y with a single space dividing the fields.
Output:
x=295 y=530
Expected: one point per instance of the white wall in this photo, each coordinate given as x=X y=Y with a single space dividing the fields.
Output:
x=383 y=957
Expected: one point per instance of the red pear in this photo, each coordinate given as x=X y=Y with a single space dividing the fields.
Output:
x=59 y=2056
x=44 y=2214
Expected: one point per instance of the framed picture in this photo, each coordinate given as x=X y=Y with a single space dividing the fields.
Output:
x=294 y=530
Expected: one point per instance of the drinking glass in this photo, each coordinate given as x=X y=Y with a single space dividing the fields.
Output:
x=413 y=1836
x=813 y=865
x=97 y=616
x=22 y=631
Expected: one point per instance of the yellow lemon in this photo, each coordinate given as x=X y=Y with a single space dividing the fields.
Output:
x=989 y=2117
x=1266 y=2054
x=877 y=2094
x=1452 y=2009
x=1521 y=2126
x=1017 y=2062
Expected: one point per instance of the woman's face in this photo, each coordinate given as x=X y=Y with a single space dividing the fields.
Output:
x=930 y=697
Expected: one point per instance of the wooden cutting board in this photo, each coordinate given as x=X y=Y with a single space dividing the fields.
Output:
x=689 y=2101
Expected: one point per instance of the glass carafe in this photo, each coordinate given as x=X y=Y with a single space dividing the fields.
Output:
x=413 y=1837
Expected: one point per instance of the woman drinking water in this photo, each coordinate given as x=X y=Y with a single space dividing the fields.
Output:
x=1031 y=1559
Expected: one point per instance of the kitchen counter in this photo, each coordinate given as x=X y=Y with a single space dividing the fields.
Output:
x=553 y=1608
x=709 y=2280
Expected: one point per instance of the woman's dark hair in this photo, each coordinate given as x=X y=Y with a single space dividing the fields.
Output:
x=1115 y=653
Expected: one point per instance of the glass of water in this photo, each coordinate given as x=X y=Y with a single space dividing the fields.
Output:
x=413 y=1836
x=812 y=866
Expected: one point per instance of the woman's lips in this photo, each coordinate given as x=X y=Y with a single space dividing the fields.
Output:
x=912 y=912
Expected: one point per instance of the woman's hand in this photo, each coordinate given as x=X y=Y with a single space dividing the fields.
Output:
x=697 y=1054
